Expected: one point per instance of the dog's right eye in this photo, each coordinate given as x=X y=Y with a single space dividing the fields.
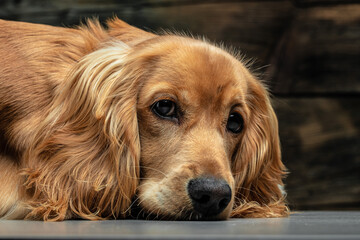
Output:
x=165 y=109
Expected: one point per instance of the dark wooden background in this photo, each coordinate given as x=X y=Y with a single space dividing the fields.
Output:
x=308 y=51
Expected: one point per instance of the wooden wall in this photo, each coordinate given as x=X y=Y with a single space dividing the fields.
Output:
x=308 y=51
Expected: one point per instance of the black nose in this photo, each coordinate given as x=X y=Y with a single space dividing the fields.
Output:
x=209 y=196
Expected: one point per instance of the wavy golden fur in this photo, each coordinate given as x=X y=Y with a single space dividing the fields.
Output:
x=79 y=136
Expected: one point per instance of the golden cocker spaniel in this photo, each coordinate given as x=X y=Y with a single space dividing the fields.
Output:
x=116 y=122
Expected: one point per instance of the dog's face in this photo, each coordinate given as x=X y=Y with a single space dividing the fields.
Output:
x=192 y=113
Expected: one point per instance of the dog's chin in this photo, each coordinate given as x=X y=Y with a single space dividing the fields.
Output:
x=139 y=212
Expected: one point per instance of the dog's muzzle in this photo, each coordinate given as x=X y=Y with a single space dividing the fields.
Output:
x=209 y=196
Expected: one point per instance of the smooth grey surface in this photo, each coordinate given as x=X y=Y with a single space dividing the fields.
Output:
x=300 y=225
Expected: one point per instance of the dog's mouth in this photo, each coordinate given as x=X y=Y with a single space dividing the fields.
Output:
x=204 y=198
x=140 y=213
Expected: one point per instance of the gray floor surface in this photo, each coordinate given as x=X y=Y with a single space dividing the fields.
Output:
x=300 y=225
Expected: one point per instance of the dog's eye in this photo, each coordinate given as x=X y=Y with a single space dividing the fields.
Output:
x=164 y=109
x=235 y=122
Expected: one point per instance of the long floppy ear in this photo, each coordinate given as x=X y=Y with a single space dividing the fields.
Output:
x=85 y=161
x=257 y=164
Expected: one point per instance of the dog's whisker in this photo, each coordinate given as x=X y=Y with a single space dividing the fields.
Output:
x=190 y=216
x=131 y=205
x=156 y=170
x=140 y=212
x=250 y=190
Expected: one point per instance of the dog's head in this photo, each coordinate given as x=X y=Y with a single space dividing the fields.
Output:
x=208 y=134
x=188 y=129
x=192 y=113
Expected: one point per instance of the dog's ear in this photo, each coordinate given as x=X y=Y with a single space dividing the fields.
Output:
x=127 y=33
x=257 y=165
x=85 y=160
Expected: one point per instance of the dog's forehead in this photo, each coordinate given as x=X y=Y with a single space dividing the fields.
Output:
x=207 y=73
x=195 y=72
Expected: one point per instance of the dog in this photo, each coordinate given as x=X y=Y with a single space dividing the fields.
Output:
x=96 y=122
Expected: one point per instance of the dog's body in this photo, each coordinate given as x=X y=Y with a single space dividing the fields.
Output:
x=92 y=118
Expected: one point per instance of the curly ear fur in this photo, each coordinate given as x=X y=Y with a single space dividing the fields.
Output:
x=257 y=164
x=90 y=139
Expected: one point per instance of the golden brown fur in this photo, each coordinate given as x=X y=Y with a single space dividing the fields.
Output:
x=78 y=138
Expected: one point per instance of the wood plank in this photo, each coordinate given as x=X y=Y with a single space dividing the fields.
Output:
x=312 y=3
x=321 y=147
x=315 y=225
x=253 y=27
x=320 y=52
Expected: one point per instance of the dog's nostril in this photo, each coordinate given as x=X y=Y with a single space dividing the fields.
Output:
x=224 y=202
x=209 y=196
x=203 y=199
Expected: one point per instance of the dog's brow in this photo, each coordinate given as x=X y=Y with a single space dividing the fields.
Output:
x=154 y=89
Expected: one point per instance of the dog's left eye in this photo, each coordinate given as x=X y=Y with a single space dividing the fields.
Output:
x=165 y=109
x=235 y=122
